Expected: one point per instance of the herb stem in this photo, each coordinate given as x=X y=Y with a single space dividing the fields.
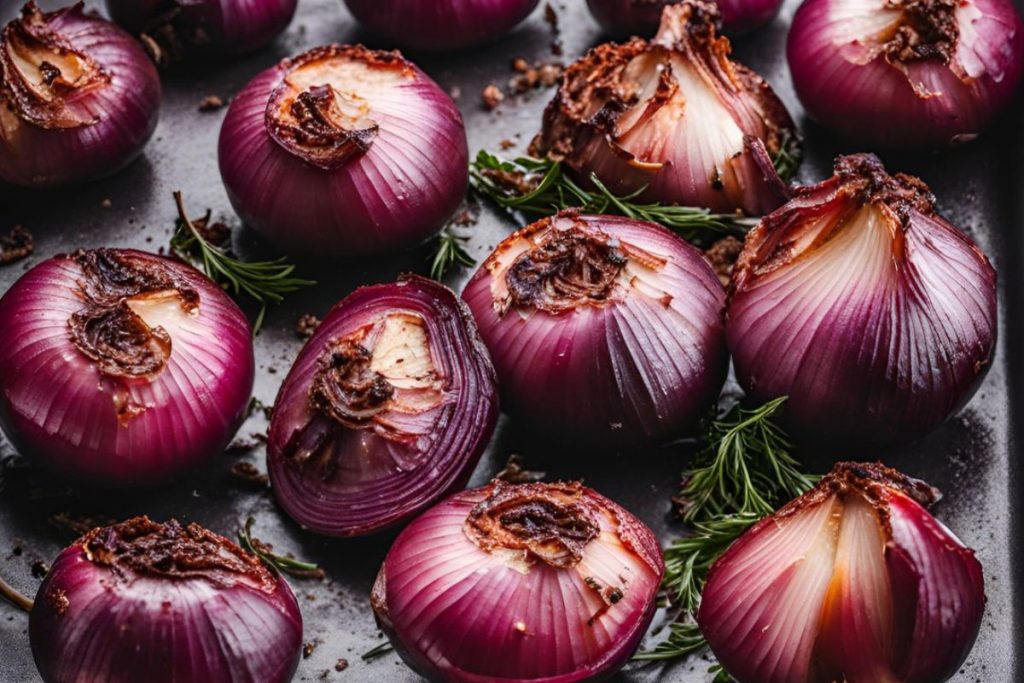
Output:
x=13 y=596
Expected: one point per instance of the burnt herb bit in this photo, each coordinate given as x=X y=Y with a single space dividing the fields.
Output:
x=379 y=651
x=275 y=562
x=15 y=245
x=449 y=252
x=248 y=474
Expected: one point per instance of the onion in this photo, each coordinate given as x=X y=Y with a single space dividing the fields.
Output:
x=858 y=301
x=163 y=603
x=527 y=582
x=903 y=73
x=79 y=99
x=853 y=581
x=640 y=17
x=605 y=331
x=440 y=24
x=344 y=150
x=387 y=409
x=121 y=367
x=673 y=119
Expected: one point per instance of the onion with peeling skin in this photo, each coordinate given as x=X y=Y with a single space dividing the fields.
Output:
x=605 y=331
x=532 y=582
x=344 y=150
x=858 y=301
x=854 y=581
x=121 y=367
x=79 y=99
x=673 y=119
x=163 y=603
x=387 y=409
x=624 y=18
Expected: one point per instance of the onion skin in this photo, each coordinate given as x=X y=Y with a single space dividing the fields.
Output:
x=465 y=612
x=83 y=132
x=848 y=84
x=170 y=614
x=854 y=581
x=363 y=474
x=60 y=406
x=623 y=18
x=858 y=301
x=440 y=25
x=637 y=363
x=391 y=194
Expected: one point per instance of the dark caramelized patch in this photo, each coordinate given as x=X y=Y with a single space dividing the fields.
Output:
x=320 y=131
x=864 y=175
x=928 y=30
x=345 y=388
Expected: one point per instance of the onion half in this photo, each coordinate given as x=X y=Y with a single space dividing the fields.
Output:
x=605 y=331
x=858 y=301
x=344 y=150
x=121 y=367
x=623 y=18
x=387 y=409
x=528 y=582
x=79 y=99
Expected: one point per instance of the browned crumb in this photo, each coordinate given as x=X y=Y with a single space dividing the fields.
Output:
x=248 y=474
x=307 y=326
x=468 y=214
x=722 y=255
x=551 y=16
x=40 y=569
x=106 y=203
x=521 y=65
x=210 y=103
x=307 y=650
x=491 y=97
x=58 y=600
x=539 y=75
x=15 y=245
x=507 y=144
x=341 y=665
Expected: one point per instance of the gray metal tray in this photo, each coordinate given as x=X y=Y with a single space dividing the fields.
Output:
x=972 y=458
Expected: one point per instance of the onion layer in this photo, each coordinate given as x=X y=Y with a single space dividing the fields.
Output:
x=529 y=582
x=327 y=154
x=605 y=331
x=624 y=18
x=854 y=581
x=387 y=409
x=122 y=367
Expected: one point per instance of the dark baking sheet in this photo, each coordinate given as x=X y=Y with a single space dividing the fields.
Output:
x=972 y=458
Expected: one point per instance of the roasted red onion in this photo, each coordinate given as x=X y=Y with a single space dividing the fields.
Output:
x=121 y=367
x=624 y=18
x=674 y=117
x=344 y=150
x=605 y=331
x=440 y=24
x=387 y=409
x=79 y=99
x=858 y=301
x=516 y=583
x=906 y=73
x=854 y=581
x=163 y=603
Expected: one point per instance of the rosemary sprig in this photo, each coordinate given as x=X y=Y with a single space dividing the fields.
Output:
x=448 y=253
x=787 y=159
x=280 y=563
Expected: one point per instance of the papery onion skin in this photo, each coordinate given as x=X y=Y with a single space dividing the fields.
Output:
x=162 y=603
x=849 y=87
x=442 y=24
x=638 y=362
x=462 y=606
x=394 y=182
x=95 y=407
x=673 y=119
x=874 y=315
x=854 y=581
x=101 y=125
x=623 y=18
x=450 y=404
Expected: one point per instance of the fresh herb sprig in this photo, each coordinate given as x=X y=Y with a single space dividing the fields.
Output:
x=280 y=563
x=787 y=159
x=449 y=251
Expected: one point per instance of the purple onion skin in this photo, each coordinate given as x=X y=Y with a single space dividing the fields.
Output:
x=440 y=25
x=125 y=110
x=370 y=501
x=875 y=103
x=624 y=18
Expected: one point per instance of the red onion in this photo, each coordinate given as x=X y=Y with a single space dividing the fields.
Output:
x=163 y=603
x=640 y=17
x=121 y=367
x=387 y=409
x=853 y=581
x=344 y=150
x=858 y=301
x=528 y=582
x=903 y=73
x=440 y=24
x=79 y=99
x=674 y=118
x=605 y=331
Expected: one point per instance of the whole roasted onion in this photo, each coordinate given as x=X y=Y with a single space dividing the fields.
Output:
x=387 y=409
x=640 y=17
x=854 y=581
x=858 y=301
x=605 y=331
x=674 y=119
x=121 y=367
x=163 y=603
x=79 y=99
x=903 y=73
x=344 y=150
x=516 y=583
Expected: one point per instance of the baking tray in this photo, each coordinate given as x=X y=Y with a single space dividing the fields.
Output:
x=972 y=458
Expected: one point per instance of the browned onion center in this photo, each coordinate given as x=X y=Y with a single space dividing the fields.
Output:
x=865 y=177
x=346 y=388
x=927 y=30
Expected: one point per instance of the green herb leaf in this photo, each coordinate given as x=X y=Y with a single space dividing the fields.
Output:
x=278 y=563
x=448 y=253
x=787 y=159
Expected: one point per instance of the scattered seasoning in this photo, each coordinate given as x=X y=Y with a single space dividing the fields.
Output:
x=256 y=404
x=467 y=215
x=722 y=255
x=515 y=473
x=210 y=103
x=507 y=144
x=58 y=600
x=15 y=245
x=106 y=203
x=307 y=650
x=248 y=474
x=491 y=97
x=341 y=665
x=241 y=445
x=529 y=77
x=307 y=326
x=551 y=16
x=40 y=569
